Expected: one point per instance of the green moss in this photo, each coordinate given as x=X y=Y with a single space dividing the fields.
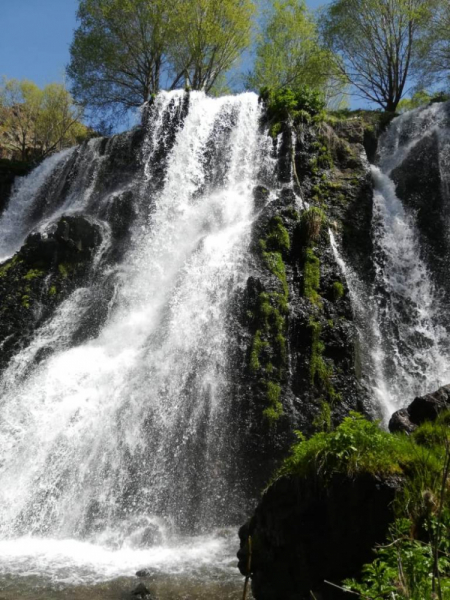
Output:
x=338 y=290
x=320 y=372
x=311 y=277
x=26 y=301
x=257 y=347
x=33 y=274
x=275 y=130
x=268 y=352
x=278 y=236
x=52 y=291
x=63 y=270
x=8 y=265
x=275 y=409
x=322 y=421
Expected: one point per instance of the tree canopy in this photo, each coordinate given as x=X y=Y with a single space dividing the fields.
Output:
x=289 y=52
x=432 y=62
x=376 y=41
x=126 y=50
x=34 y=122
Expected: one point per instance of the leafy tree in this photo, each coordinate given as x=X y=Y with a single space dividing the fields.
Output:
x=119 y=51
x=38 y=121
x=289 y=53
x=433 y=59
x=125 y=50
x=376 y=41
x=214 y=33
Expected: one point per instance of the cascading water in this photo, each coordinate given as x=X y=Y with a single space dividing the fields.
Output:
x=127 y=440
x=406 y=348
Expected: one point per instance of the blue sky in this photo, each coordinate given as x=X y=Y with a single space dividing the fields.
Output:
x=36 y=35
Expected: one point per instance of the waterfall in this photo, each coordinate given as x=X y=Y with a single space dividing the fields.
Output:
x=128 y=440
x=404 y=343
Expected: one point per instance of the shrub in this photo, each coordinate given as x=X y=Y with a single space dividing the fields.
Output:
x=299 y=104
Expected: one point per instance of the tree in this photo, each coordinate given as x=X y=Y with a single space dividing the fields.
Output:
x=125 y=50
x=38 y=121
x=214 y=33
x=289 y=53
x=433 y=58
x=119 y=50
x=376 y=41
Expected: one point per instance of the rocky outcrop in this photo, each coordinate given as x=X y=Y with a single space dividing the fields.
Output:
x=422 y=184
x=41 y=275
x=295 y=359
x=9 y=170
x=304 y=533
x=423 y=408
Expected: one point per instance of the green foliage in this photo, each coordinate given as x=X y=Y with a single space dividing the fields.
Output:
x=356 y=446
x=375 y=41
x=36 y=122
x=421 y=98
x=285 y=103
x=52 y=291
x=403 y=568
x=289 y=52
x=338 y=291
x=124 y=49
x=33 y=273
x=432 y=63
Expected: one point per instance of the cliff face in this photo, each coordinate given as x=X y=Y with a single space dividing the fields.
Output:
x=297 y=358
x=304 y=530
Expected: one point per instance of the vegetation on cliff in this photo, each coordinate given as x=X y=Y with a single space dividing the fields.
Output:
x=414 y=563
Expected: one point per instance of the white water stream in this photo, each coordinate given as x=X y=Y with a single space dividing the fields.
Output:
x=405 y=348
x=111 y=448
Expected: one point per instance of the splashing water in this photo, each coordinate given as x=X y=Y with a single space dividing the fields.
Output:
x=127 y=441
x=405 y=347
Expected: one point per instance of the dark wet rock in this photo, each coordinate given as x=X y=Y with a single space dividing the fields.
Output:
x=335 y=177
x=261 y=196
x=422 y=186
x=9 y=171
x=304 y=532
x=144 y=573
x=401 y=422
x=424 y=408
x=142 y=593
x=40 y=276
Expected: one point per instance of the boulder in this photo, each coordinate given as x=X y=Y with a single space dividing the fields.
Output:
x=304 y=532
x=141 y=592
x=423 y=408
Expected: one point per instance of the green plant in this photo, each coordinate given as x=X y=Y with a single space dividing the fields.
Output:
x=312 y=221
x=338 y=290
x=297 y=104
x=33 y=274
x=311 y=277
